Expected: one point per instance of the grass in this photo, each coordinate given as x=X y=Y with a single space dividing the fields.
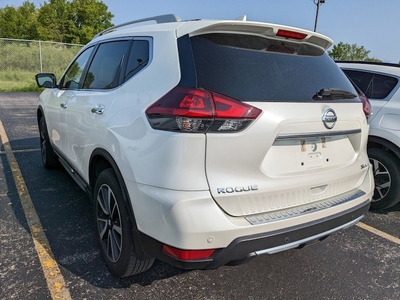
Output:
x=19 y=63
x=17 y=81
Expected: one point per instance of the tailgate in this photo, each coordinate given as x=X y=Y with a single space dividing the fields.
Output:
x=288 y=157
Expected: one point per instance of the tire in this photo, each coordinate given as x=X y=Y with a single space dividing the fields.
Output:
x=114 y=228
x=49 y=158
x=386 y=170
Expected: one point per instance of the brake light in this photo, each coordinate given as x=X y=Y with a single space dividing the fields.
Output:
x=187 y=254
x=291 y=34
x=195 y=110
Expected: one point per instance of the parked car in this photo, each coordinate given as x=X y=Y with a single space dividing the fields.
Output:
x=380 y=82
x=208 y=142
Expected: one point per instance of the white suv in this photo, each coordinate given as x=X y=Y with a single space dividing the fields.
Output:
x=380 y=82
x=204 y=143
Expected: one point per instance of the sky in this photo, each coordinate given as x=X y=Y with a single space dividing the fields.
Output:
x=374 y=24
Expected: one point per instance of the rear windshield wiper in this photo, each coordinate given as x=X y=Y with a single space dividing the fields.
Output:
x=333 y=94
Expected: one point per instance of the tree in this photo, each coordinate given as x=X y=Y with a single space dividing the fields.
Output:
x=68 y=21
x=344 y=51
x=19 y=22
x=75 y=21
x=90 y=17
x=55 y=22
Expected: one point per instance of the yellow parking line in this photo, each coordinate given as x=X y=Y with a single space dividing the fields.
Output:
x=379 y=233
x=54 y=278
x=22 y=151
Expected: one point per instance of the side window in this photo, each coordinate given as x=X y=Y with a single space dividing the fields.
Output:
x=74 y=73
x=362 y=80
x=382 y=86
x=374 y=86
x=106 y=66
x=138 y=58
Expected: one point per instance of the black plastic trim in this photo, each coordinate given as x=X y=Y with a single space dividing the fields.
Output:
x=186 y=61
x=71 y=171
x=376 y=142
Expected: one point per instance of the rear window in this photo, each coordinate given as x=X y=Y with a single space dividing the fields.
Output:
x=374 y=86
x=252 y=68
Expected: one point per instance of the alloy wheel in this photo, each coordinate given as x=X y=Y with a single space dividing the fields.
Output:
x=382 y=179
x=109 y=223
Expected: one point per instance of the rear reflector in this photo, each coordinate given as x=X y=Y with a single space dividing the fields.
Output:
x=291 y=34
x=187 y=254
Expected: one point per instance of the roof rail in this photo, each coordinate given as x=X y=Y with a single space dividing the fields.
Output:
x=159 y=19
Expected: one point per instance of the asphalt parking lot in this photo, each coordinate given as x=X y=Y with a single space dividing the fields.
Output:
x=48 y=249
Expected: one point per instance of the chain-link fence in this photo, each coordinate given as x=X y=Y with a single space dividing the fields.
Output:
x=20 y=60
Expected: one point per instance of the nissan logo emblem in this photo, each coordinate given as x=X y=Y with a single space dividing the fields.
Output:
x=329 y=118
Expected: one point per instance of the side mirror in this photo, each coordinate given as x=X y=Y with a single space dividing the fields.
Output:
x=46 y=80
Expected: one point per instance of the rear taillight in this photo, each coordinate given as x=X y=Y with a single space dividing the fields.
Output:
x=194 y=110
x=366 y=104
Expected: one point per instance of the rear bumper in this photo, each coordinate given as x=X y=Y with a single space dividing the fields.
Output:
x=246 y=247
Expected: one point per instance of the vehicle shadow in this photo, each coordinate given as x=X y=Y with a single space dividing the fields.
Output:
x=388 y=210
x=66 y=216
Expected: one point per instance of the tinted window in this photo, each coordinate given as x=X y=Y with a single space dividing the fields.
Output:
x=106 y=66
x=374 y=86
x=382 y=86
x=74 y=73
x=361 y=79
x=252 y=68
x=138 y=58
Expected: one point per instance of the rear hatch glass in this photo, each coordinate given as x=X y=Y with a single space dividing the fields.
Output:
x=253 y=68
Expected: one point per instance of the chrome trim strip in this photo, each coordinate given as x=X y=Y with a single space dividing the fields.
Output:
x=307 y=240
x=304 y=209
x=316 y=134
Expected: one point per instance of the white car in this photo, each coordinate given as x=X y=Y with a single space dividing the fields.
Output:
x=380 y=82
x=208 y=142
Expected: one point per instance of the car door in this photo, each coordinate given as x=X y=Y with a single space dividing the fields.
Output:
x=55 y=118
x=89 y=108
x=64 y=95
